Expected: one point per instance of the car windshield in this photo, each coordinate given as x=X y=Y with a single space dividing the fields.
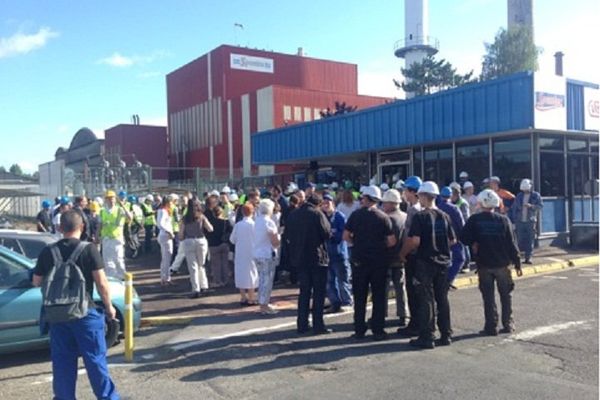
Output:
x=32 y=247
x=26 y=262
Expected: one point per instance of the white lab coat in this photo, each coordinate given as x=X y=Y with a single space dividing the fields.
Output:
x=246 y=275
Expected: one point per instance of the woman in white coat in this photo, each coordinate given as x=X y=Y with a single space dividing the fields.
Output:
x=245 y=273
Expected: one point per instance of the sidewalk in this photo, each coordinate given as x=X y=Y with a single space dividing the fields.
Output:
x=171 y=305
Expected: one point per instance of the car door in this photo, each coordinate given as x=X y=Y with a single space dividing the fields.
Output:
x=20 y=303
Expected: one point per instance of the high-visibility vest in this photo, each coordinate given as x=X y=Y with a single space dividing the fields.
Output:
x=149 y=219
x=138 y=215
x=113 y=221
x=174 y=211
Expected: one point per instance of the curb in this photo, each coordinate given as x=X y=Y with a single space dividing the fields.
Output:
x=463 y=282
x=536 y=269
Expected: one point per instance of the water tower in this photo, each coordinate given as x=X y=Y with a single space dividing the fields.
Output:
x=417 y=44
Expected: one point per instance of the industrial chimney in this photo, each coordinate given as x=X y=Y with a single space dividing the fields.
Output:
x=558 y=63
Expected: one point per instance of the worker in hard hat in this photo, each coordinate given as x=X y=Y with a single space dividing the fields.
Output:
x=506 y=197
x=431 y=235
x=149 y=221
x=43 y=218
x=524 y=214
x=391 y=206
x=64 y=205
x=112 y=219
x=491 y=237
x=470 y=197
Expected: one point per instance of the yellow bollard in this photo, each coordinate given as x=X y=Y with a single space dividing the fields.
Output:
x=128 y=316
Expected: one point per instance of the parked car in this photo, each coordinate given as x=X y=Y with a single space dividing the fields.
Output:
x=20 y=302
x=27 y=243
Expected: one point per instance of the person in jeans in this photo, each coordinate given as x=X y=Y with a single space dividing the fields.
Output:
x=339 y=290
x=490 y=235
x=218 y=242
x=266 y=241
x=192 y=232
x=524 y=213
x=431 y=234
x=79 y=337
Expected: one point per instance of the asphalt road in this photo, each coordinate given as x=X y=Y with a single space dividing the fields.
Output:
x=553 y=355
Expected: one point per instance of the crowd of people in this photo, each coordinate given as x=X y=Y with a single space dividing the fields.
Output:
x=338 y=244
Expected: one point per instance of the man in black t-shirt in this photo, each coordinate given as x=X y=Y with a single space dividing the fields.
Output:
x=431 y=235
x=83 y=336
x=370 y=232
x=44 y=219
x=490 y=235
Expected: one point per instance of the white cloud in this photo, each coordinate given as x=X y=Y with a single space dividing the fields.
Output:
x=22 y=43
x=119 y=60
x=376 y=78
x=27 y=166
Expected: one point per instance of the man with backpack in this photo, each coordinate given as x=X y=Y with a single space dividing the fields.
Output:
x=66 y=271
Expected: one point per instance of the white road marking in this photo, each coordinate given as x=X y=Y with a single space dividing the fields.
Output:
x=554 y=277
x=547 y=330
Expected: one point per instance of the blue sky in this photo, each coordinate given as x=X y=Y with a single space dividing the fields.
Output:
x=67 y=64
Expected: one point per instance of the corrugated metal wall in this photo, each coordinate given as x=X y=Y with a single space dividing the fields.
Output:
x=499 y=105
x=575 y=107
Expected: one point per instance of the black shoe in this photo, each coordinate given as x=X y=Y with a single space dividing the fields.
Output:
x=194 y=295
x=332 y=310
x=322 y=331
x=444 y=341
x=303 y=331
x=378 y=337
x=423 y=344
x=358 y=336
x=527 y=261
x=407 y=332
x=507 y=329
x=489 y=332
x=173 y=272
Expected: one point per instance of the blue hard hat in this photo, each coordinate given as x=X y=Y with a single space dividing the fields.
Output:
x=131 y=198
x=46 y=204
x=122 y=194
x=446 y=192
x=64 y=200
x=413 y=182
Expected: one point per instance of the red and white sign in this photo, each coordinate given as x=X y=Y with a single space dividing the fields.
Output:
x=550 y=102
x=591 y=99
x=249 y=63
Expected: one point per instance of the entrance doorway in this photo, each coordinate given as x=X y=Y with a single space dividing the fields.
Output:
x=393 y=166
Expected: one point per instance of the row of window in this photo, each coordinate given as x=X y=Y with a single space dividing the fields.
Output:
x=511 y=161
x=301 y=113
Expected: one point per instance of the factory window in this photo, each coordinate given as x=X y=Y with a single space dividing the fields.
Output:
x=551 y=143
x=577 y=145
x=552 y=174
x=594 y=147
x=287 y=113
x=297 y=113
x=417 y=158
x=578 y=173
x=317 y=114
x=474 y=159
x=512 y=162
x=307 y=113
x=438 y=165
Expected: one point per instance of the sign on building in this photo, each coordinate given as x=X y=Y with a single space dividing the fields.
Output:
x=249 y=63
x=591 y=102
x=550 y=102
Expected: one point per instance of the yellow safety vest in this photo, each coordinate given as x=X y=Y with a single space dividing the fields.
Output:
x=175 y=217
x=112 y=223
x=150 y=219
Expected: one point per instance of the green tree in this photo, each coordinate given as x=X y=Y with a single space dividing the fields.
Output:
x=15 y=169
x=512 y=51
x=340 y=108
x=2 y=169
x=430 y=76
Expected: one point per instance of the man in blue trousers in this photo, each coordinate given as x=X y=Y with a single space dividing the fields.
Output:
x=524 y=214
x=77 y=334
x=457 y=249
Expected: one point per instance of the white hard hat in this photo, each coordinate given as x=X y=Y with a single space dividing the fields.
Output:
x=429 y=187
x=226 y=189
x=467 y=185
x=384 y=186
x=373 y=192
x=494 y=179
x=455 y=186
x=399 y=185
x=214 y=193
x=334 y=185
x=488 y=199
x=362 y=189
x=149 y=197
x=372 y=181
x=526 y=185
x=173 y=196
x=99 y=200
x=463 y=174
x=292 y=187
x=392 y=196
x=233 y=197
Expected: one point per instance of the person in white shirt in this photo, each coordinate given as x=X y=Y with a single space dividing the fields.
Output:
x=470 y=197
x=245 y=272
x=348 y=205
x=266 y=240
x=164 y=222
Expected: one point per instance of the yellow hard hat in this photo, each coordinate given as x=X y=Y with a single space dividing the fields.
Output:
x=94 y=206
x=110 y=193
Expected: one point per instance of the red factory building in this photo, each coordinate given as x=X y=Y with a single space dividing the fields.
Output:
x=216 y=102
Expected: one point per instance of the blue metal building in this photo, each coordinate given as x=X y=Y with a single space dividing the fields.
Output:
x=521 y=126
